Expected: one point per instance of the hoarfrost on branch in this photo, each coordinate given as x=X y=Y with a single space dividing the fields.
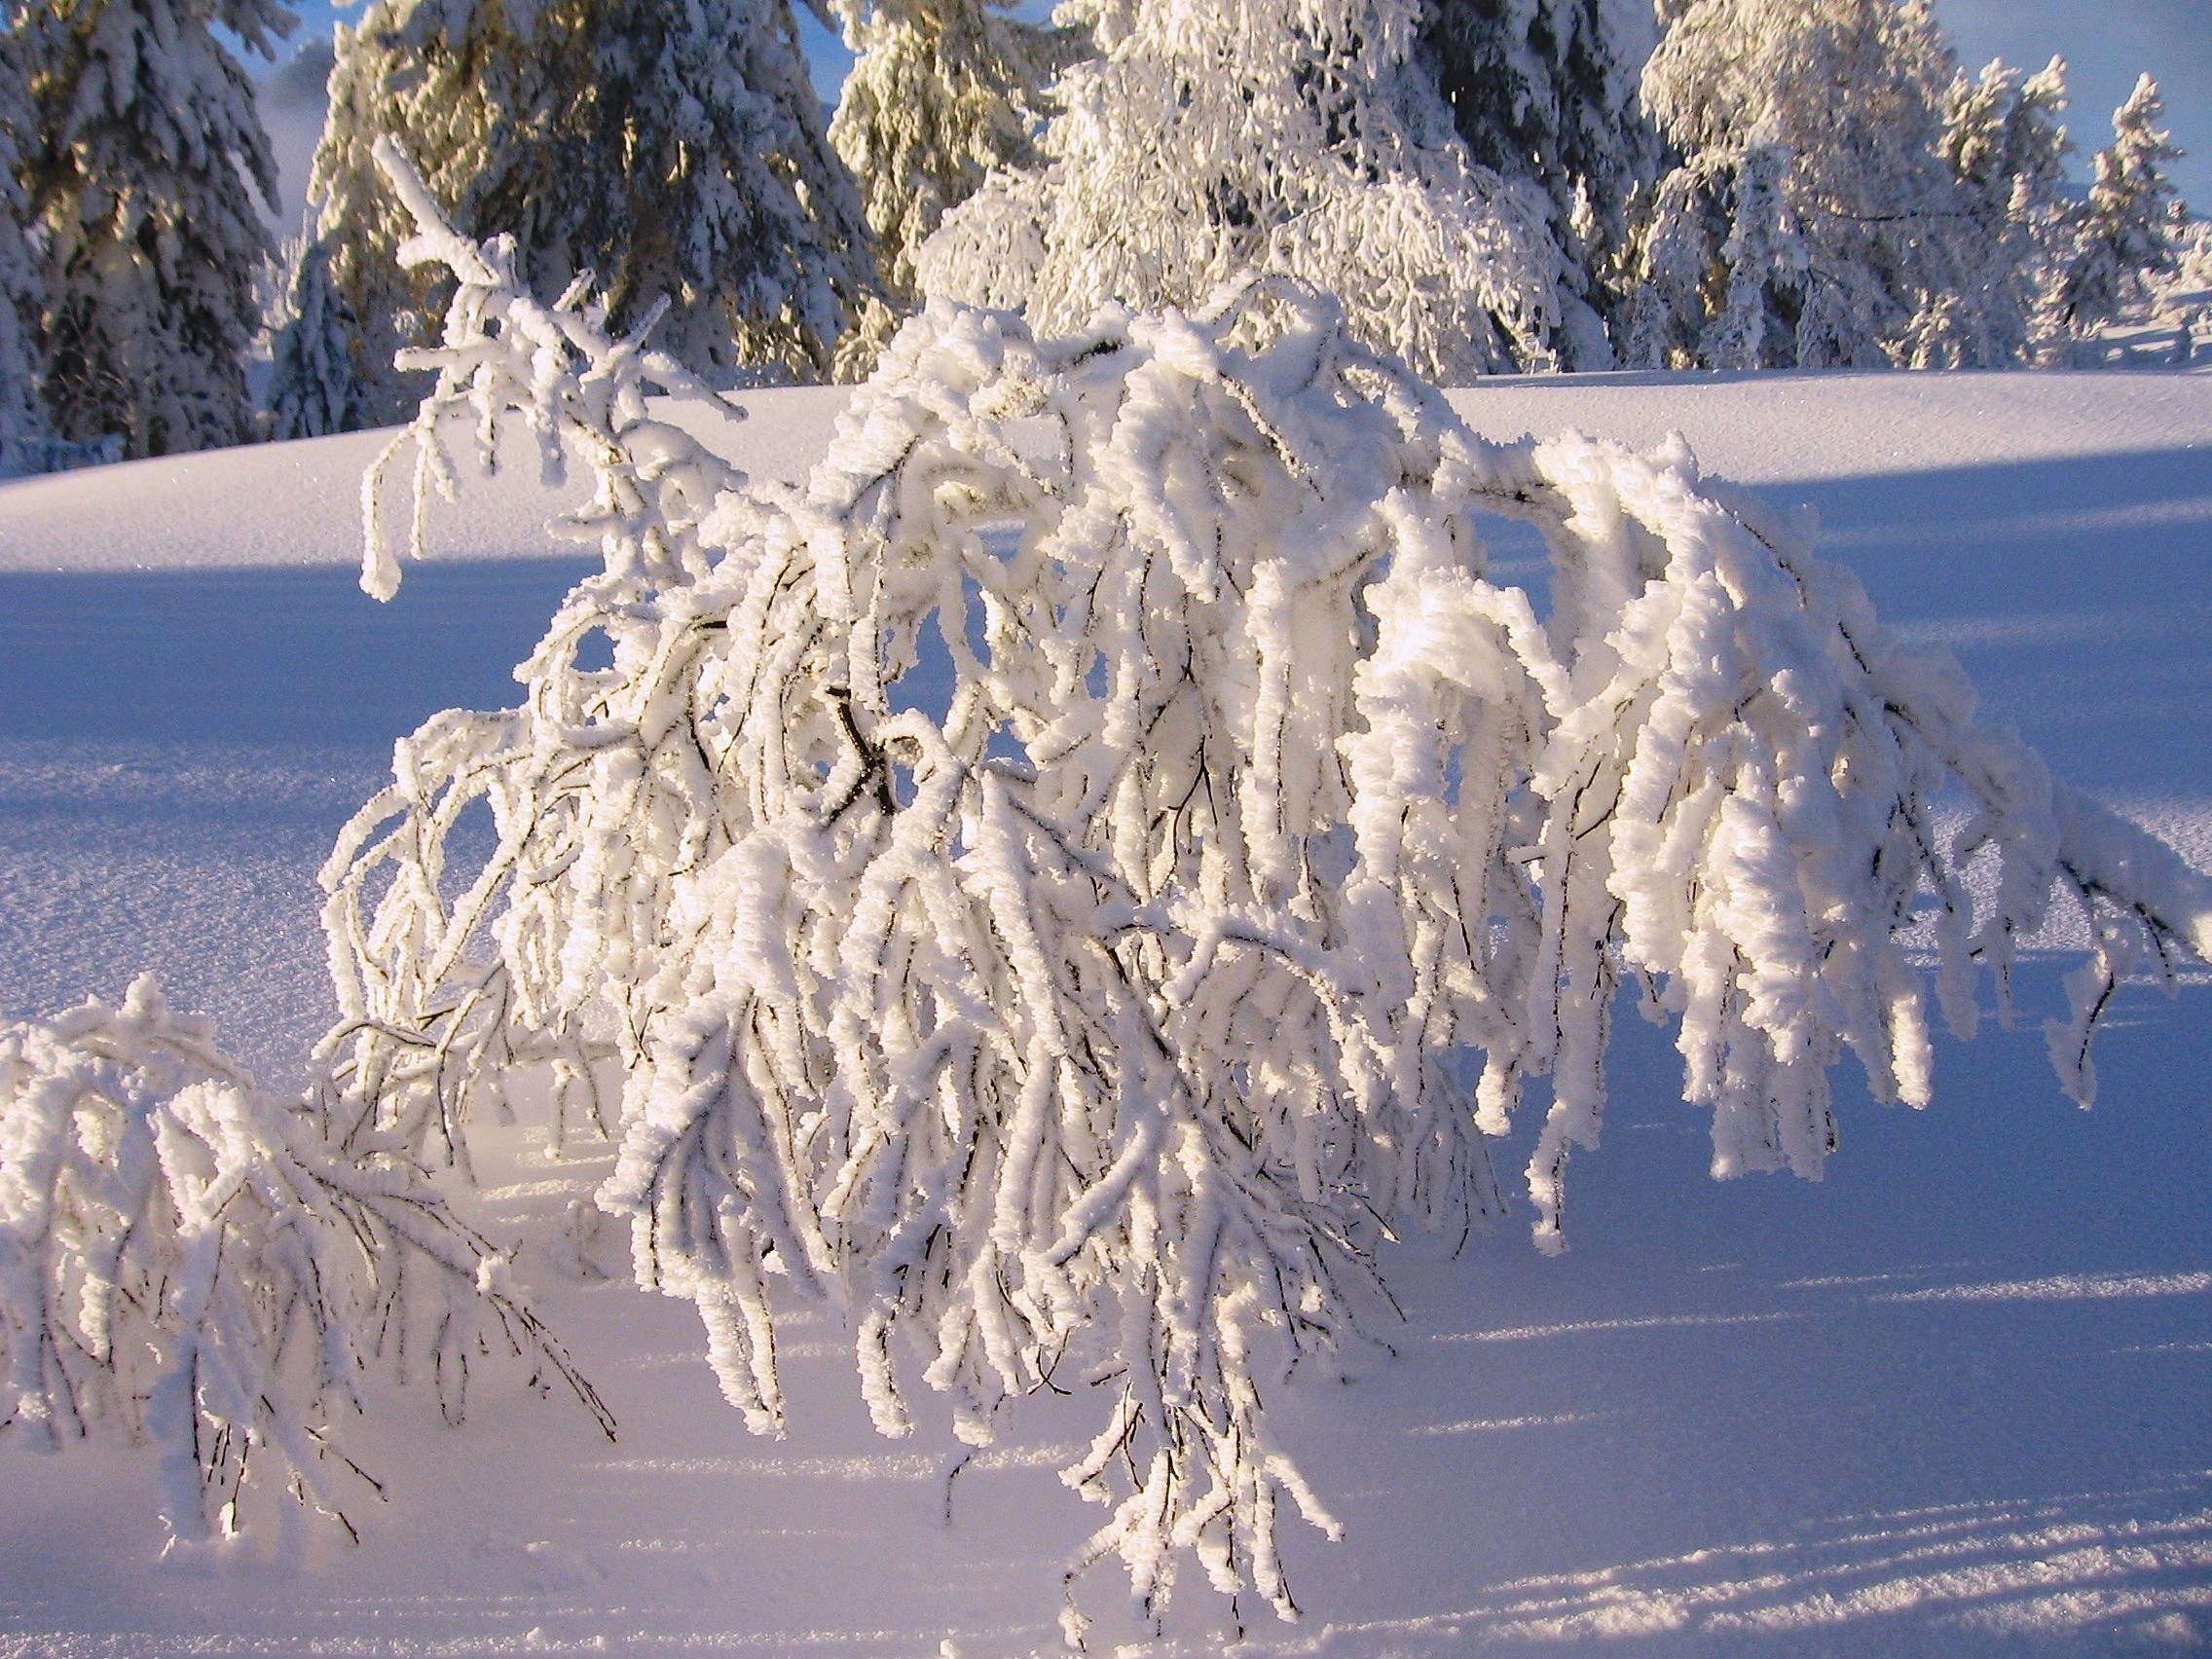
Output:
x=1048 y=885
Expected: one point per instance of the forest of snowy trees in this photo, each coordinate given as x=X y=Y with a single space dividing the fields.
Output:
x=1554 y=184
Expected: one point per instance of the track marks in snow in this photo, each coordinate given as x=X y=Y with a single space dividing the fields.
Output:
x=519 y=1190
x=1591 y=1327
x=870 y=1467
x=2181 y=512
x=1486 y=1425
x=2062 y=1287
x=864 y=1466
x=2077 y=1569
x=1846 y=1282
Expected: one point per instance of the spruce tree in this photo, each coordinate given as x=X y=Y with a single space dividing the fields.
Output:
x=1761 y=240
x=2130 y=230
x=1544 y=92
x=153 y=242
x=2006 y=148
x=444 y=76
x=1210 y=138
x=314 y=387
x=23 y=417
x=653 y=151
x=941 y=92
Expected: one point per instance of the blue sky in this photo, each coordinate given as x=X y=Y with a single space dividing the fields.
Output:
x=2106 y=45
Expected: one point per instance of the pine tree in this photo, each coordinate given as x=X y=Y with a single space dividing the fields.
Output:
x=1544 y=92
x=154 y=244
x=659 y=151
x=1853 y=92
x=2132 y=229
x=941 y=92
x=1211 y=138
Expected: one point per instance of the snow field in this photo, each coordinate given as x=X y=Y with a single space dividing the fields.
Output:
x=1749 y=1416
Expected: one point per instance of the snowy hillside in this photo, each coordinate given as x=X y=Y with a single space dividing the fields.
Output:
x=1953 y=1399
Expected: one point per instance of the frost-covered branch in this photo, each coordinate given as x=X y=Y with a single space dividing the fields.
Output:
x=186 y=1257
x=1046 y=886
x=506 y=352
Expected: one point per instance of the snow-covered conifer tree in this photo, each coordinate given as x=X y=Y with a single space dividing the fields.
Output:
x=445 y=75
x=1303 y=139
x=315 y=388
x=1545 y=94
x=941 y=92
x=1852 y=94
x=2006 y=148
x=23 y=429
x=660 y=151
x=1040 y=882
x=2182 y=298
x=142 y=190
x=1761 y=244
x=2130 y=231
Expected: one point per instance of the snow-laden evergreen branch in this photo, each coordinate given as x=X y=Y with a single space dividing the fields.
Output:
x=1045 y=885
x=187 y=1258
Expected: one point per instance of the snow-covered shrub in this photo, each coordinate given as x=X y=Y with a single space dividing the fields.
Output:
x=1048 y=884
x=187 y=1258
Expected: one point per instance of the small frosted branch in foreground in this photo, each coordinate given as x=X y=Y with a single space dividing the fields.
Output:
x=187 y=1258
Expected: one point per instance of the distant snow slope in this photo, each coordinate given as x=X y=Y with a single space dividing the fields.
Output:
x=1957 y=1399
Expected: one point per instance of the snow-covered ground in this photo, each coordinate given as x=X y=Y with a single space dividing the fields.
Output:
x=1953 y=1400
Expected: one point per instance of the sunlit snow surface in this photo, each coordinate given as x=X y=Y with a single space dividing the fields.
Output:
x=1957 y=1399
